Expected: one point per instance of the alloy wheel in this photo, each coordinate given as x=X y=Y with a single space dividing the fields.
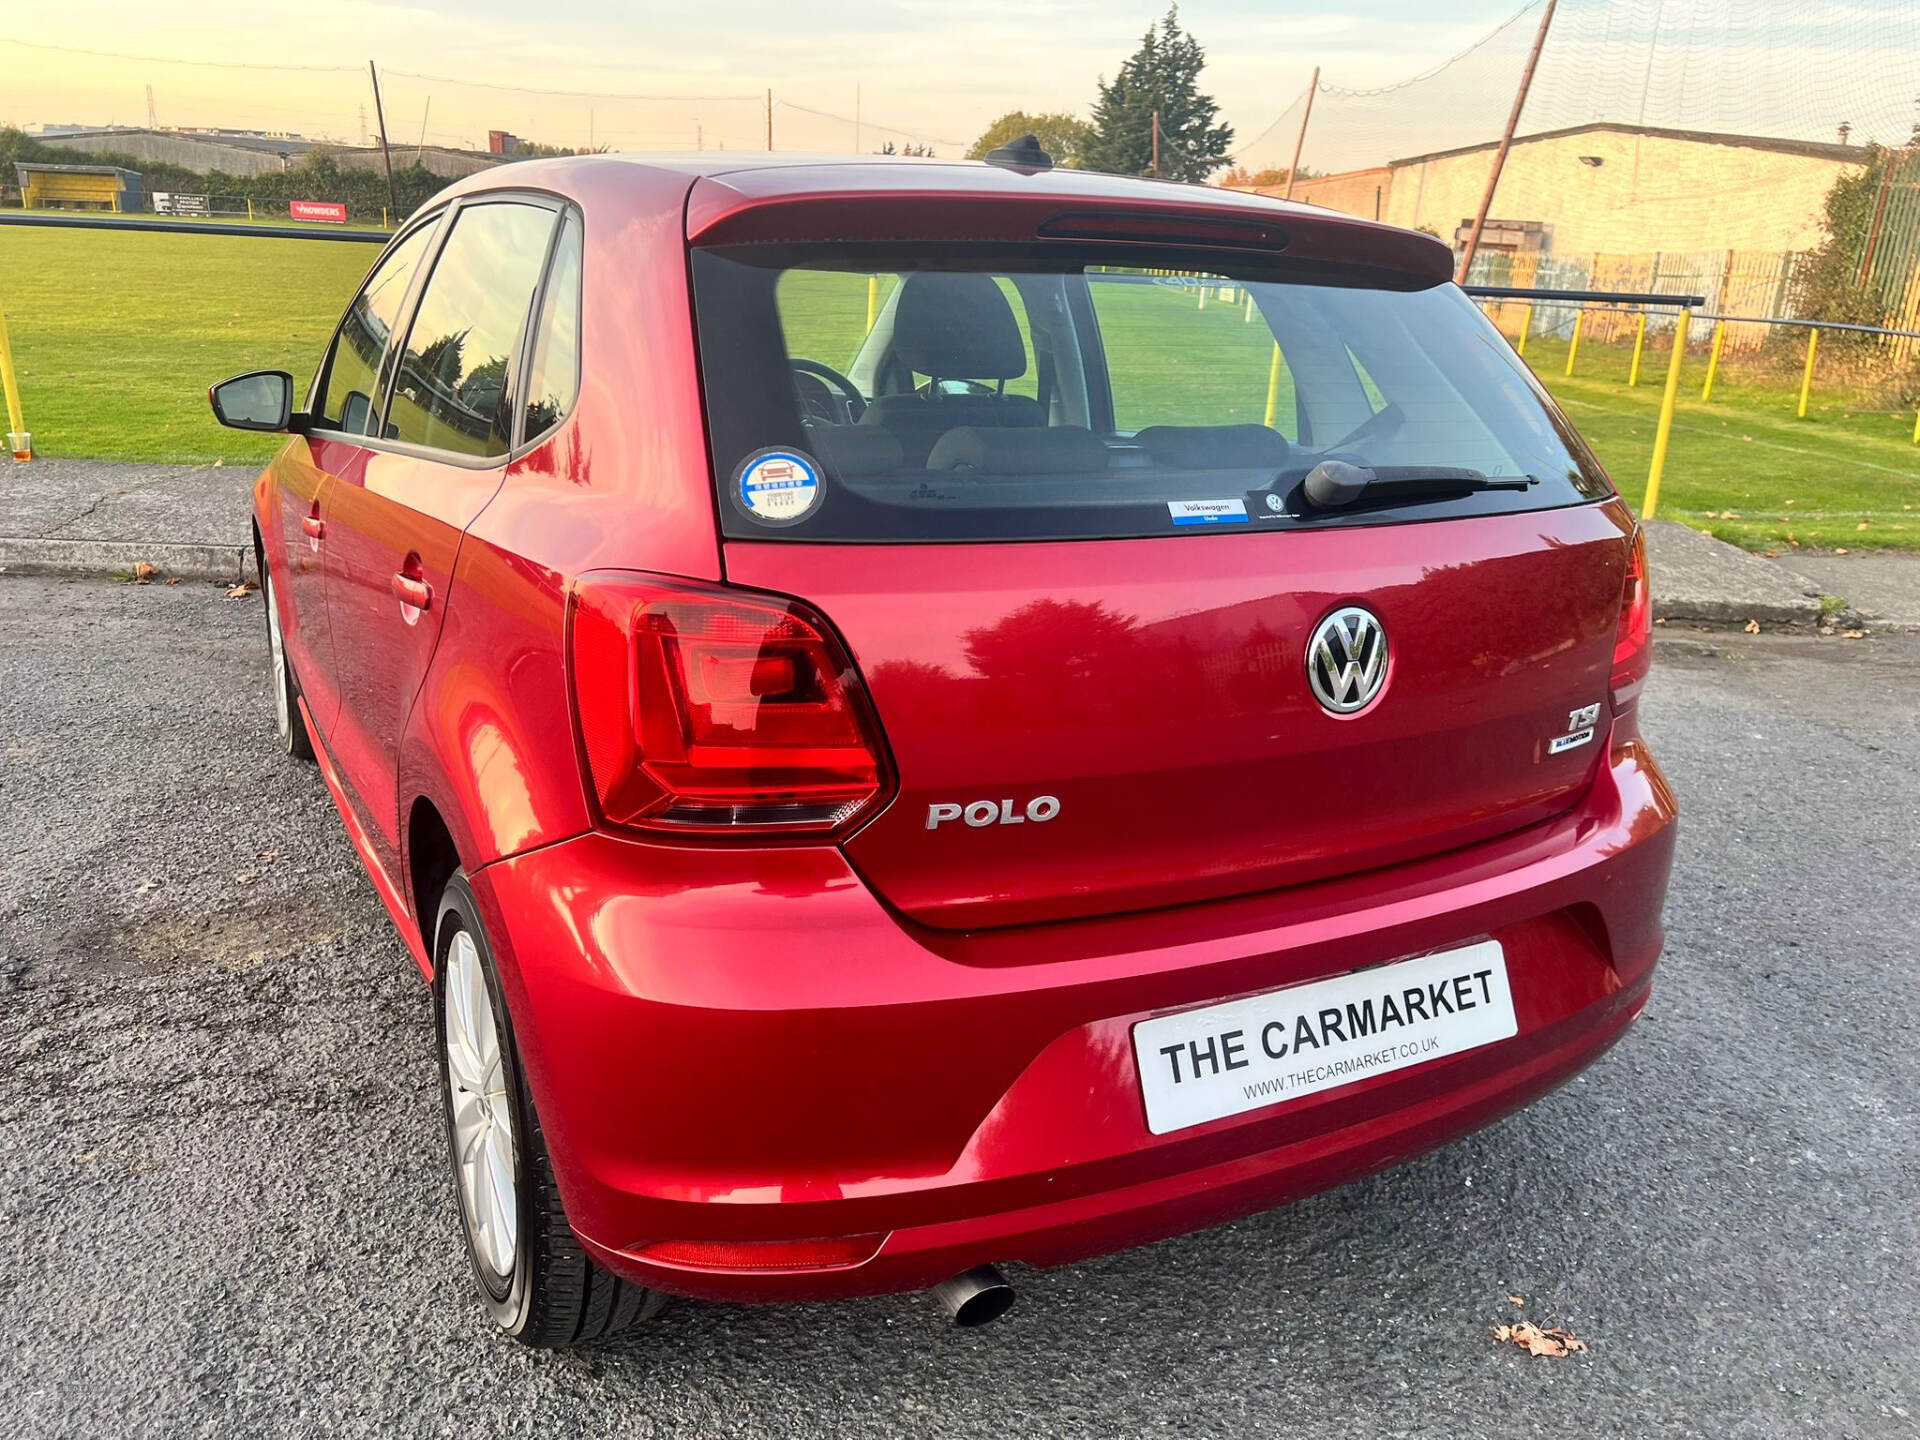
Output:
x=482 y=1112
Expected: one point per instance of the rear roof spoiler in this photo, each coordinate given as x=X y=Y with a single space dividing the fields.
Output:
x=984 y=205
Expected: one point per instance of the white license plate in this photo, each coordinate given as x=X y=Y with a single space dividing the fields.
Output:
x=1245 y=1055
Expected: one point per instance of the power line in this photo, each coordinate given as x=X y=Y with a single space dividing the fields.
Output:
x=172 y=60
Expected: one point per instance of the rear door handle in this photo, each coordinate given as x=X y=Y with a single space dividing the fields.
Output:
x=411 y=590
x=314 y=526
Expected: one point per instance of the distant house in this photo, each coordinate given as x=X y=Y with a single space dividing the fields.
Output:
x=79 y=187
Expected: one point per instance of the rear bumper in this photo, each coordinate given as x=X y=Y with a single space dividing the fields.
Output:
x=749 y=1046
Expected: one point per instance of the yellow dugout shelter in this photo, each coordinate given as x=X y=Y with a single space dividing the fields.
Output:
x=79 y=187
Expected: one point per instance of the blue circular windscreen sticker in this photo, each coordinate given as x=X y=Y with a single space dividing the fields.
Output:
x=779 y=487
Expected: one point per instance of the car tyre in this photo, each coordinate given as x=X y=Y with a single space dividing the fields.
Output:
x=289 y=728
x=536 y=1281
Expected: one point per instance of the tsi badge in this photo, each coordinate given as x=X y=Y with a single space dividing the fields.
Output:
x=1580 y=727
x=982 y=813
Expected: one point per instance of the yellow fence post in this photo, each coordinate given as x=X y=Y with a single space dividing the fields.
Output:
x=1273 y=388
x=1639 y=344
x=249 y=207
x=1573 y=348
x=1806 y=380
x=1916 y=429
x=873 y=300
x=1249 y=307
x=18 y=440
x=1713 y=359
x=1526 y=324
x=1651 y=501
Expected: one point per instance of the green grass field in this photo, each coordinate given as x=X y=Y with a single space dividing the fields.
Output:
x=116 y=337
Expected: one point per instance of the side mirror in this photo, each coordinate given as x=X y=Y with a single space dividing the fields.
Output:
x=260 y=400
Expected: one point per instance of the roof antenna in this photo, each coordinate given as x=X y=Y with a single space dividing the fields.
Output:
x=1023 y=155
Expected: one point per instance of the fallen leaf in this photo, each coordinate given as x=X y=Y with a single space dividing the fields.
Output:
x=1753 y=627
x=146 y=887
x=242 y=590
x=1531 y=1338
x=173 y=579
x=1839 y=549
x=1853 y=634
x=1862 y=525
x=1516 y=1299
x=144 y=571
x=1661 y=621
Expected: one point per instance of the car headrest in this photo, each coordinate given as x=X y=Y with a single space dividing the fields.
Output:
x=957 y=327
x=1214 y=447
x=1059 y=450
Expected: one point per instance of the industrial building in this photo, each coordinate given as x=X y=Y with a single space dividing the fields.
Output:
x=1608 y=189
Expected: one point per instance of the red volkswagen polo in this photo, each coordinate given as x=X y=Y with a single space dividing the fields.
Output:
x=920 y=716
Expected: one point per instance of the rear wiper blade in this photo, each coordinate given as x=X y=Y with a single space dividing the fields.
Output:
x=1336 y=485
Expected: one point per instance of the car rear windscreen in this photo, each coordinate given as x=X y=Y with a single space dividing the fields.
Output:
x=903 y=395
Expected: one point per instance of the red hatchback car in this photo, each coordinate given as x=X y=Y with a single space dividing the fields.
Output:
x=926 y=715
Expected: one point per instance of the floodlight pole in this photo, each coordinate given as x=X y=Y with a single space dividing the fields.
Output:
x=380 y=113
x=1156 y=144
x=769 y=118
x=1506 y=142
x=1300 y=142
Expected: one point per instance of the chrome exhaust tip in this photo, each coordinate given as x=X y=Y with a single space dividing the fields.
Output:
x=976 y=1297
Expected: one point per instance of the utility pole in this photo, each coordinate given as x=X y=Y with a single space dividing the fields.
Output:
x=856 y=124
x=380 y=114
x=1506 y=142
x=153 y=119
x=1156 y=144
x=420 y=150
x=769 y=118
x=1300 y=141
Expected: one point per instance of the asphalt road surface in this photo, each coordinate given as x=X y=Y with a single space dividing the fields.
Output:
x=224 y=1206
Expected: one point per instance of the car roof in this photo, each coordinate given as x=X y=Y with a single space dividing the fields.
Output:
x=770 y=175
x=725 y=184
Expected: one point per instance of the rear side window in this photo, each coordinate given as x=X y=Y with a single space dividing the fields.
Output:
x=450 y=391
x=553 y=382
x=908 y=393
x=345 y=401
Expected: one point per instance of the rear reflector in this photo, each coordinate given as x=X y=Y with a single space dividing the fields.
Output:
x=707 y=710
x=833 y=1252
x=1633 y=641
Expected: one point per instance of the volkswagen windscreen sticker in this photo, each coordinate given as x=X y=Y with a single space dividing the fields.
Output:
x=779 y=487
x=1208 y=512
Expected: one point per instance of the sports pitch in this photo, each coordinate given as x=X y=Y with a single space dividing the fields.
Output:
x=116 y=338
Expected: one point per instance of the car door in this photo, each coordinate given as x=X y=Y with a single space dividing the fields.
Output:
x=341 y=407
x=394 y=518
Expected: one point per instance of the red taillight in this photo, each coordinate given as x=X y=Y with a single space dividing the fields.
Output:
x=1633 y=641
x=704 y=709
x=832 y=1253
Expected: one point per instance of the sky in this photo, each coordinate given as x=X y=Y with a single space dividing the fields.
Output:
x=938 y=71
x=932 y=69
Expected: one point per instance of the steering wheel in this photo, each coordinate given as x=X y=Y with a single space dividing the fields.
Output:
x=818 y=399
